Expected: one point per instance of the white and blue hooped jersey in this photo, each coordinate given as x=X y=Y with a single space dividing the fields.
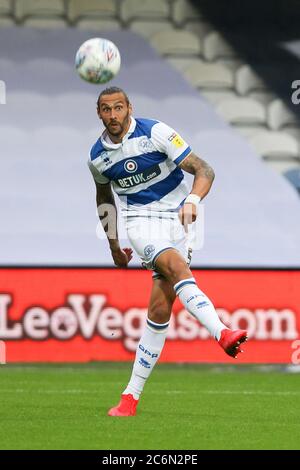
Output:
x=143 y=168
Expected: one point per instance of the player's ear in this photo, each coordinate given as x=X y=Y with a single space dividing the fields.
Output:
x=130 y=109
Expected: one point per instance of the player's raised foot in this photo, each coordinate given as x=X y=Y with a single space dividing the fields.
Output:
x=126 y=407
x=230 y=341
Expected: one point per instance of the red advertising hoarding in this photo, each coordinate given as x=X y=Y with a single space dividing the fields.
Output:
x=80 y=315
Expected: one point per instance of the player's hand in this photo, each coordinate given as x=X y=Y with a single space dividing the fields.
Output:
x=122 y=257
x=187 y=214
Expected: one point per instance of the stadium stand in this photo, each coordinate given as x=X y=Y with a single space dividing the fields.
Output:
x=49 y=117
x=183 y=12
x=46 y=9
x=149 y=28
x=91 y=10
x=246 y=80
x=177 y=43
x=215 y=47
x=210 y=76
x=133 y=10
x=275 y=144
x=39 y=70
x=279 y=116
x=240 y=111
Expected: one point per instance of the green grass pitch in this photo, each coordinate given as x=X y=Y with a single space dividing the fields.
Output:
x=183 y=407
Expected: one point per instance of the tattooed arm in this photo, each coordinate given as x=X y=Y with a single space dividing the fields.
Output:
x=203 y=180
x=204 y=174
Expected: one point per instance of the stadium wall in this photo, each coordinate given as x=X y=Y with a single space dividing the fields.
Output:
x=97 y=314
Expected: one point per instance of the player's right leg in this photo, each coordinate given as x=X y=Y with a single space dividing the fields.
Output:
x=149 y=347
x=174 y=268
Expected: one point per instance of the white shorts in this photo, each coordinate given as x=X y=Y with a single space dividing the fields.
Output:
x=150 y=236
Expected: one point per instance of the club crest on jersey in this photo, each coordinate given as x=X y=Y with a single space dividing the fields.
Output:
x=148 y=250
x=130 y=166
x=145 y=145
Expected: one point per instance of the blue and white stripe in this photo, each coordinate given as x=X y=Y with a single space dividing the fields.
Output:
x=181 y=284
x=158 y=327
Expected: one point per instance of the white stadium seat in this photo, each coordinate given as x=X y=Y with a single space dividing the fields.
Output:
x=148 y=28
x=78 y=9
x=45 y=8
x=200 y=28
x=280 y=116
x=272 y=144
x=176 y=43
x=46 y=23
x=247 y=80
x=183 y=11
x=264 y=96
x=217 y=96
x=210 y=76
x=242 y=111
x=5 y=7
x=147 y=9
x=215 y=46
x=98 y=24
x=294 y=132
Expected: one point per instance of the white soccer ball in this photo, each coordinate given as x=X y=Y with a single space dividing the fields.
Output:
x=98 y=60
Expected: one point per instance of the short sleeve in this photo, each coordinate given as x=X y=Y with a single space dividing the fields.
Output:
x=98 y=177
x=167 y=140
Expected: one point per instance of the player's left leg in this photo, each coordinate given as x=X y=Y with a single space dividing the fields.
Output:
x=149 y=347
x=174 y=268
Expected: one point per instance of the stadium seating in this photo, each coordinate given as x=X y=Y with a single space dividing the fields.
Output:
x=46 y=86
x=200 y=28
x=33 y=8
x=246 y=81
x=5 y=7
x=183 y=12
x=182 y=34
x=280 y=116
x=215 y=47
x=210 y=76
x=98 y=24
x=91 y=9
x=275 y=144
x=147 y=9
x=177 y=43
x=149 y=28
x=216 y=96
x=45 y=23
x=264 y=96
x=242 y=111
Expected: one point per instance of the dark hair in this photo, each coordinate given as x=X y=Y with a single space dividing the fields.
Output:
x=111 y=91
